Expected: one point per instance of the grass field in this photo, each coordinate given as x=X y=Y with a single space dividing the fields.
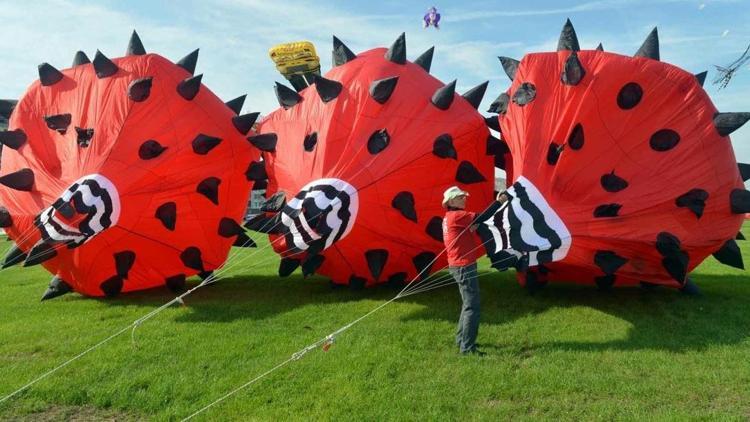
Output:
x=569 y=352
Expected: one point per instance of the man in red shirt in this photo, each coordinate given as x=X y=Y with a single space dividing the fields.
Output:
x=463 y=248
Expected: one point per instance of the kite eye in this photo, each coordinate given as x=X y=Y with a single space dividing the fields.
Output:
x=86 y=208
x=324 y=210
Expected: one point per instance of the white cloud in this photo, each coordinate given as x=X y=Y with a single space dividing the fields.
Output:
x=590 y=6
x=234 y=37
x=494 y=14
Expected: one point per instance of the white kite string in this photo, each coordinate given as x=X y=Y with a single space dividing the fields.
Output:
x=116 y=334
x=331 y=337
x=179 y=299
x=96 y=346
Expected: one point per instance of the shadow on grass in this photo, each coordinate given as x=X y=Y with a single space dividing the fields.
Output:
x=247 y=297
x=662 y=319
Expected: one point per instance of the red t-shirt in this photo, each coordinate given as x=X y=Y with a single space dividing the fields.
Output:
x=463 y=245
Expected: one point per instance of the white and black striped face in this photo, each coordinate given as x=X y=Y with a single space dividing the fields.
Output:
x=526 y=225
x=321 y=213
x=89 y=206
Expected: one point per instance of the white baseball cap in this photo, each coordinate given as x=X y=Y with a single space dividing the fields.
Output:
x=452 y=193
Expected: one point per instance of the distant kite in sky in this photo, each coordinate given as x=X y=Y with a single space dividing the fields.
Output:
x=432 y=17
x=725 y=73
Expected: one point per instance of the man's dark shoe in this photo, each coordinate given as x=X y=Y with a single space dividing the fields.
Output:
x=690 y=288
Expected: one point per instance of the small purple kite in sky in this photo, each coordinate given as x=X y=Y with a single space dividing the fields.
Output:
x=432 y=17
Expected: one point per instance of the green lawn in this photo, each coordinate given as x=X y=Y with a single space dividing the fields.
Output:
x=569 y=352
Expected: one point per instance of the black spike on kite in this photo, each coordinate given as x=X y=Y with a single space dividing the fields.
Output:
x=730 y=254
x=264 y=141
x=382 y=89
x=287 y=97
x=135 y=46
x=40 y=252
x=500 y=105
x=13 y=139
x=80 y=58
x=443 y=97
x=188 y=62
x=6 y=219
x=376 y=260
x=650 y=47
x=510 y=66
x=739 y=201
x=287 y=266
x=49 y=75
x=228 y=227
x=425 y=59
x=744 y=171
x=568 y=38
x=573 y=71
x=22 y=180
x=275 y=203
x=492 y=123
x=57 y=287
x=7 y=107
x=727 y=123
x=189 y=87
x=236 y=104
x=14 y=256
x=327 y=89
x=262 y=224
x=341 y=53
x=474 y=96
x=245 y=122
x=397 y=52
x=103 y=66
x=701 y=77
x=311 y=264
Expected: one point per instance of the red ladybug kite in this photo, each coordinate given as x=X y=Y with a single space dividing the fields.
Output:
x=357 y=164
x=123 y=174
x=621 y=168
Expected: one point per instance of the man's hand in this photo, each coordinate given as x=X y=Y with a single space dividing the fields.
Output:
x=502 y=197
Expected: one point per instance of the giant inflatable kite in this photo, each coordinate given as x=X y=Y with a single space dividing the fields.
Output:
x=124 y=174
x=357 y=164
x=622 y=170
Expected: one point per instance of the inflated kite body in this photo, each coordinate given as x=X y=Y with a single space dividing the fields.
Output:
x=357 y=164
x=123 y=174
x=621 y=168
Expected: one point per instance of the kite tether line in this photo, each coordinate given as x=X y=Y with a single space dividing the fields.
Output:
x=413 y=287
x=179 y=299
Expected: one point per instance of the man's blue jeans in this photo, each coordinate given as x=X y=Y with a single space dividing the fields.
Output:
x=468 y=322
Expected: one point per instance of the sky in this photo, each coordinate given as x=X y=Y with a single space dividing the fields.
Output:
x=234 y=37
